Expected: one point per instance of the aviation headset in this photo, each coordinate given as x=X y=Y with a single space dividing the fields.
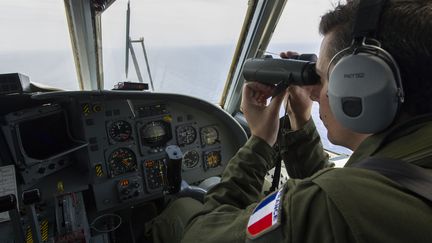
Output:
x=365 y=88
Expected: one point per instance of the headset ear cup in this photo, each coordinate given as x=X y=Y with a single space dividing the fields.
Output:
x=363 y=93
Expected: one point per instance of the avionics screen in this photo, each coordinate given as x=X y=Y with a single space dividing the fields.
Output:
x=45 y=136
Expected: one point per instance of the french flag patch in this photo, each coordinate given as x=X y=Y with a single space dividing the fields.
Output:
x=266 y=215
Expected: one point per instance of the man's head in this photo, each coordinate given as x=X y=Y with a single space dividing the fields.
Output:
x=405 y=31
x=336 y=133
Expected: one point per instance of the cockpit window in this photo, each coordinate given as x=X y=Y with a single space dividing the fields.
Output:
x=189 y=44
x=297 y=30
x=35 y=41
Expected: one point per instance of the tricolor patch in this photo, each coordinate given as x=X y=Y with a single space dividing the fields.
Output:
x=266 y=215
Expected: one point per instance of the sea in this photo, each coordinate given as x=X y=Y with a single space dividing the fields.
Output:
x=198 y=71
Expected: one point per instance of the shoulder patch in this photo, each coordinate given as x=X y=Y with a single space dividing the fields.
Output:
x=266 y=215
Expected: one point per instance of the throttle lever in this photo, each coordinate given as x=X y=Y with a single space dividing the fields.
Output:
x=174 y=178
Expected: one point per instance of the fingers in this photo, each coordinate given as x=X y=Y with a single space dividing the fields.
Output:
x=276 y=103
x=255 y=96
x=257 y=91
x=259 y=87
x=288 y=54
x=297 y=91
x=302 y=92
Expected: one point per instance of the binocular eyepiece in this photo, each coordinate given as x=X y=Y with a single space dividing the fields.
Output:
x=297 y=70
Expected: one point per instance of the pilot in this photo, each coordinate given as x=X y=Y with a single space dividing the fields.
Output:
x=357 y=203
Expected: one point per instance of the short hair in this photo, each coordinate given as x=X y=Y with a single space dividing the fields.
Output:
x=405 y=31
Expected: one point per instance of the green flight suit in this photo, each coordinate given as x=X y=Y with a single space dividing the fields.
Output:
x=332 y=205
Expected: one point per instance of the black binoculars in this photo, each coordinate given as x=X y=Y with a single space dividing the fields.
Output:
x=297 y=70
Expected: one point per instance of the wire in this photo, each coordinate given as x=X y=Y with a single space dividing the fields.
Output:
x=278 y=164
x=102 y=217
x=292 y=167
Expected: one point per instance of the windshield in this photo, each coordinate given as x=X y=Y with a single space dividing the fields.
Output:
x=35 y=41
x=297 y=30
x=189 y=44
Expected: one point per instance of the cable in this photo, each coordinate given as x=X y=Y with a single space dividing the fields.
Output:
x=108 y=216
x=278 y=159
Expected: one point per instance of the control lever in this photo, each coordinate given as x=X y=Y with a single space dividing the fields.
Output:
x=194 y=192
x=8 y=203
x=29 y=199
x=174 y=178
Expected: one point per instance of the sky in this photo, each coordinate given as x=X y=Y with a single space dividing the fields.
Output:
x=31 y=24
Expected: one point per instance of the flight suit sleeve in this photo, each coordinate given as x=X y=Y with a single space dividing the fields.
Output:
x=302 y=151
x=229 y=205
x=307 y=215
x=243 y=178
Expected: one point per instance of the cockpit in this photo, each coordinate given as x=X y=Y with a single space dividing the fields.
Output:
x=115 y=107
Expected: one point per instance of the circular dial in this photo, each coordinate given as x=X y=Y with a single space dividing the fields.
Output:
x=155 y=133
x=209 y=136
x=122 y=160
x=120 y=131
x=186 y=135
x=190 y=159
x=212 y=159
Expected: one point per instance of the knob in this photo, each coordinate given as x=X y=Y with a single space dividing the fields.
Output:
x=136 y=185
x=41 y=170
x=125 y=191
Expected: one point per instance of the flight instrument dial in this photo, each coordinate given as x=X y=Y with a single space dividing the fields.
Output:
x=186 y=135
x=190 y=159
x=155 y=133
x=212 y=159
x=121 y=161
x=120 y=131
x=209 y=135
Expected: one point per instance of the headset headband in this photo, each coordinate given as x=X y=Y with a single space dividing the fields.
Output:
x=367 y=19
x=366 y=24
x=365 y=27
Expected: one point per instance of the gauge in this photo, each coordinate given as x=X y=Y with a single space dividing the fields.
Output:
x=209 y=136
x=190 y=159
x=155 y=133
x=121 y=161
x=120 y=131
x=155 y=172
x=212 y=159
x=186 y=135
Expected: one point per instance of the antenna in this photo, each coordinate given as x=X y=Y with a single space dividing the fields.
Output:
x=127 y=47
x=130 y=48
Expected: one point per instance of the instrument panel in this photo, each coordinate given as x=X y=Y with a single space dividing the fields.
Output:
x=91 y=155
x=132 y=136
x=113 y=143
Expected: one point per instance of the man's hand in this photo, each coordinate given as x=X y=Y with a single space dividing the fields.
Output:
x=299 y=103
x=299 y=106
x=263 y=119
